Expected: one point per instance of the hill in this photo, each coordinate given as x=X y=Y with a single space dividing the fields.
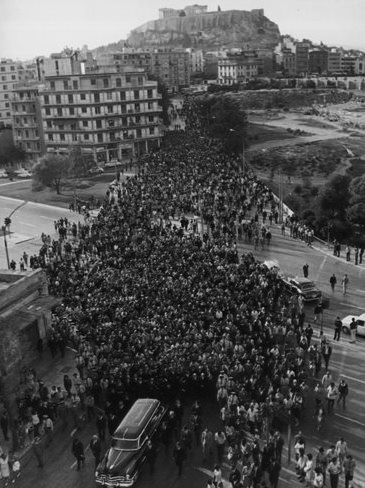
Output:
x=209 y=31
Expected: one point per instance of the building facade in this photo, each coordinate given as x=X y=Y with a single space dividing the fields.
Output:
x=113 y=115
x=318 y=61
x=334 y=61
x=237 y=68
x=302 y=58
x=27 y=119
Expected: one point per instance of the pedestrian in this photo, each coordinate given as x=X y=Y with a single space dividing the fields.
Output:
x=343 y=391
x=348 y=253
x=349 y=466
x=150 y=456
x=274 y=473
x=318 y=480
x=38 y=451
x=334 y=470
x=353 y=329
x=361 y=253
x=48 y=424
x=326 y=350
x=217 y=475
x=338 y=328
x=220 y=441
x=78 y=452
x=308 y=469
x=341 y=450
x=206 y=443
x=305 y=270
x=332 y=394
x=4 y=468
x=15 y=467
x=4 y=423
x=326 y=380
x=333 y=281
x=321 y=463
x=356 y=255
x=179 y=456
x=95 y=448
x=318 y=312
x=101 y=425
x=345 y=283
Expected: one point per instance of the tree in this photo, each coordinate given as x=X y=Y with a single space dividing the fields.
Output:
x=356 y=207
x=9 y=153
x=51 y=171
x=334 y=197
x=80 y=162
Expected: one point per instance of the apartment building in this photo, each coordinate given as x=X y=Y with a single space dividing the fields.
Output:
x=27 y=119
x=318 y=61
x=334 y=61
x=237 y=68
x=109 y=114
x=302 y=58
x=11 y=72
x=348 y=64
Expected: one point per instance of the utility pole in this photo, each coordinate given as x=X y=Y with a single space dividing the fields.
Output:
x=6 y=246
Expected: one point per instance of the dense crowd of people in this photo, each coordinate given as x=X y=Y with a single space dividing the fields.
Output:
x=158 y=302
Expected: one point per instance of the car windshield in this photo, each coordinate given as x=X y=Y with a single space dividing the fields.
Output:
x=306 y=286
x=125 y=444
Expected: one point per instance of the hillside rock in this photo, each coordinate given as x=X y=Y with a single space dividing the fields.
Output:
x=209 y=31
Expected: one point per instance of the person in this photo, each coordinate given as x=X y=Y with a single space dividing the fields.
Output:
x=353 y=329
x=341 y=450
x=334 y=470
x=322 y=462
x=179 y=456
x=4 y=423
x=332 y=394
x=101 y=425
x=217 y=475
x=220 y=440
x=321 y=416
x=308 y=469
x=206 y=443
x=78 y=452
x=326 y=350
x=150 y=456
x=48 y=429
x=326 y=380
x=274 y=473
x=345 y=283
x=300 y=464
x=343 y=391
x=305 y=270
x=4 y=468
x=333 y=281
x=95 y=448
x=318 y=480
x=338 y=328
x=349 y=466
x=38 y=451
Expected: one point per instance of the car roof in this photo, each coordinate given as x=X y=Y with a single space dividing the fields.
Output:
x=300 y=279
x=136 y=419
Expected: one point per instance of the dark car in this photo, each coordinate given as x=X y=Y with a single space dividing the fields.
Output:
x=302 y=287
x=122 y=461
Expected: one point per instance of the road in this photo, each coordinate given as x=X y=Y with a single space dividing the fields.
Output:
x=28 y=223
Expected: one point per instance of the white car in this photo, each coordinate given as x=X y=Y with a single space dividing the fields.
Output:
x=23 y=173
x=3 y=174
x=360 y=321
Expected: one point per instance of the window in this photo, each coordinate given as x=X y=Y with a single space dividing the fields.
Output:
x=136 y=94
x=97 y=111
x=151 y=118
x=82 y=96
x=23 y=108
x=140 y=80
x=128 y=79
x=49 y=124
x=93 y=81
x=12 y=68
x=86 y=137
x=48 y=111
x=7 y=105
x=2 y=69
x=72 y=111
x=139 y=133
x=149 y=93
x=27 y=134
x=70 y=99
x=6 y=96
x=59 y=112
x=8 y=114
x=96 y=97
x=58 y=99
x=5 y=87
x=50 y=137
x=74 y=137
x=100 y=137
x=61 y=127
x=110 y=109
x=52 y=85
x=3 y=78
x=62 y=137
x=84 y=123
x=118 y=82
x=106 y=82
x=13 y=77
x=110 y=123
x=122 y=95
x=112 y=136
x=150 y=105
x=138 y=119
x=73 y=126
x=109 y=96
x=98 y=124
x=75 y=84
x=137 y=107
x=65 y=85
x=84 y=110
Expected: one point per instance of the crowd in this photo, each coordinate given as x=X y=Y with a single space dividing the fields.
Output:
x=156 y=308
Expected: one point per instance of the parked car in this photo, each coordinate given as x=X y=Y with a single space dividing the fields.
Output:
x=122 y=461
x=304 y=287
x=95 y=171
x=22 y=173
x=3 y=173
x=360 y=322
x=113 y=163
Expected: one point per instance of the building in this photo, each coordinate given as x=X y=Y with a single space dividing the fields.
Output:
x=302 y=58
x=196 y=60
x=11 y=72
x=25 y=318
x=27 y=119
x=236 y=68
x=165 y=13
x=360 y=65
x=171 y=67
x=287 y=62
x=348 y=64
x=109 y=114
x=334 y=61
x=318 y=61
x=195 y=9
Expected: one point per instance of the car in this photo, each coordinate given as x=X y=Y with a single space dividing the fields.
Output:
x=122 y=461
x=113 y=163
x=3 y=173
x=95 y=171
x=302 y=287
x=360 y=323
x=22 y=173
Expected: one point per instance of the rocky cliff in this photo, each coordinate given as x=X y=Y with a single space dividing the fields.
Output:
x=209 y=31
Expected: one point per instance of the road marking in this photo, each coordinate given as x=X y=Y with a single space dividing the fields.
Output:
x=353 y=379
x=47 y=218
x=321 y=268
x=28 y=224
x=352 y=306
x=350 y=420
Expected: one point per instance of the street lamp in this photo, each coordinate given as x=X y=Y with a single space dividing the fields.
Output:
x=6 y=226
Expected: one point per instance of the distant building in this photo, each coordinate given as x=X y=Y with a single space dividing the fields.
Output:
x=334 y=61
x=27 y=119
x=11 y=72
x=286 y=62
x=360 y=65
x=238 y=68
x=302 y=58
x=165 y=13
x=318 y=61
x=195 y=9
x=196 y=60
x=348 y=64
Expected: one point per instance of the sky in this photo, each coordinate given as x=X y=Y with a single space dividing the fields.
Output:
x=30 y=28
